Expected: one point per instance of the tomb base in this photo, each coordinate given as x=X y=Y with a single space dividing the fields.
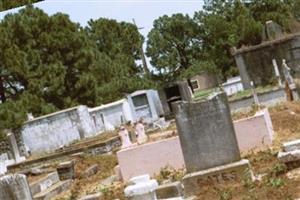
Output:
x=233 y=172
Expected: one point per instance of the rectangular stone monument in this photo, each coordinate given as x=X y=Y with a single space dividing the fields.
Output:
x=14 y=187
x=206 y=133
x=14 y=148
x=66 y=170
x=209 y=143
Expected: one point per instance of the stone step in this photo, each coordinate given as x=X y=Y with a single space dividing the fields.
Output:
x=54 y=190
x=43 y=183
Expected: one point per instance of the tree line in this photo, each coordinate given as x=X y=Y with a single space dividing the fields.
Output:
x=49 y=63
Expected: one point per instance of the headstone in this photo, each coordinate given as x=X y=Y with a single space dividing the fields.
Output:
x=140 y=130
x=273 y=30
x=141 y=188
x=14 y=187
x=206 y=133
x=66 y=170
x=124 y=138
x=14 y=147
x=3 y=159
x=209 y=144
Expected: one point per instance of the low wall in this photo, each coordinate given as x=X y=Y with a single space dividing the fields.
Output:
x=50 y=132
x=254 y=133
x=150 y=158
x=270 y=98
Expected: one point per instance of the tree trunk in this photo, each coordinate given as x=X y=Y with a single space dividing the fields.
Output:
x=2 y=90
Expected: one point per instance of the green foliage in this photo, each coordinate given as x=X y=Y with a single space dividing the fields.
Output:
x=9 y=4
x=177 y=42
x=173 y=45
x=276 y=182
x=50 y=63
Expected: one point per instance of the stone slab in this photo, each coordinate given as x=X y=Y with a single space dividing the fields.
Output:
x=150 y=158
x=206 y=133
x=170 y=190
x=43 y=183
x=255 y=132
x=290 y=156
x=54 y=190
x=90 y=171
x=97 y=196
x=193 y=182
x=292 y=145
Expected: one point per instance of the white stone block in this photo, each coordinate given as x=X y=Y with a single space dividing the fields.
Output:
x=290 y=156
x=292 y=145
x=144 y=188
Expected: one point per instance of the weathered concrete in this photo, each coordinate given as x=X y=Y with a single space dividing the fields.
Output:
x=170 y=190
x=291 y=146
x=14 y=187
x=193 y=182
x=142 y=189
x=150 y=158
x=43 y=183
x=53 y=131
x=270 y=98
x=206 y=133
x=90 y=171
x=255 y=62
x=290 y=156
x=66 y=170
x=54 y=190
x=14 y=148
x=254 y=133
x=97 y=196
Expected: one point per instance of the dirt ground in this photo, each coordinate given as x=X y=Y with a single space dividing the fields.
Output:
x=275 y=182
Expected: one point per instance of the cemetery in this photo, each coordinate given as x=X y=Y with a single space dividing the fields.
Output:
x=84 y=118
x=173 y=161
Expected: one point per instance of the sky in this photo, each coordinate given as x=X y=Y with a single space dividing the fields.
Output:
x=143 y=11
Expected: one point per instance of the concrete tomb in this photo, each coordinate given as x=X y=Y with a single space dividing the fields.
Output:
x=209 y=144
x=14 y=187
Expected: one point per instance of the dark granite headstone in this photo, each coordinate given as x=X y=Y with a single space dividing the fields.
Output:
x=206 y=133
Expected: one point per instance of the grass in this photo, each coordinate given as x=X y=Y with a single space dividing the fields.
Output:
x=248 y=93
x=202 y=94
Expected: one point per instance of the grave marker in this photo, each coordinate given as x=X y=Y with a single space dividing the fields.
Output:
x=14 y=187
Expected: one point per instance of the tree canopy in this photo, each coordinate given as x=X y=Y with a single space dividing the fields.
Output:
x=49 y=63
x=209 y=36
